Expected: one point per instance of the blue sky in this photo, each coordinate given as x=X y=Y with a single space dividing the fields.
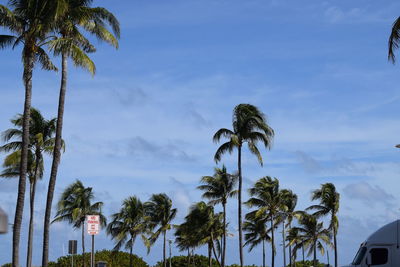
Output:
x=144 y=123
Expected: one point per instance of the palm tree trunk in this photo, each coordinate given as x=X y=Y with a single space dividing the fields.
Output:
x=56 y=161
x=263 y=248
x=83 y=245
x=315 y=254
x=302 y=249
x=130 y=253
x=290 y=249
x=272 y=242
x=19 y=209
x=240 y=206
x=188 y=258
x=335 y=246
x=164 y=252
x=31 y=220
x=284 y=243
x=224 y=234
x=213 y=248
x=209 y=255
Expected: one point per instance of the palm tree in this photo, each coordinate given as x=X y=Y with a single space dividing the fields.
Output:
x=218 y=189
x=289 y=200
x=329 y=200
x=29 y=23
x=127 y=224
x=256 y=233
x=160 y=213
x=71 y=43
x=249 y=126
x=74 y=205
x=312 y=233
x=394 y=40
x=296 y=242
x=41 y=140
x=265 y=195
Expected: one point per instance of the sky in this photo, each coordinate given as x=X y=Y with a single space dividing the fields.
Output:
x=144 y=123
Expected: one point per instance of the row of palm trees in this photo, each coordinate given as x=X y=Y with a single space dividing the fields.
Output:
x=149 y=220
x=44 y=27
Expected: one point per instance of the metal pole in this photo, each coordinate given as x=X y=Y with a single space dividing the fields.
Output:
x=92 y=258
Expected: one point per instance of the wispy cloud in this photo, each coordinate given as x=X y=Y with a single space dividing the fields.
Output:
x=371 y=195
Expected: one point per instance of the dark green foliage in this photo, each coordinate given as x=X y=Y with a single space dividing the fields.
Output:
x=308 y=264
x=113 y=259
x=6 y=265
x=182 y=261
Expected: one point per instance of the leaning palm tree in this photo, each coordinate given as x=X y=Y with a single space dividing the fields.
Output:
x=256 y=233
x=312 y=232
x=160 y=213
x=289 y=200
x=29 y=22
x=127 y=224
x=266 y=196
x=41 y=141
x=249 y=126
x=74 y=205
x=71 y=43
x=329 y=200
x=218 y=189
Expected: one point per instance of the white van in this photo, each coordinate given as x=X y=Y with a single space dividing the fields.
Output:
x=380 y=249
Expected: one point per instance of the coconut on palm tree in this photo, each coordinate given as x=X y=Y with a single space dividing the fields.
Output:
x=160 y=214
x=266 y=196
x=218 y=189
x=71 y=43
x=29 y=23
x=249 y=126
x=256 y=232
x=329 y=200
x=313 y=234
x=127 y=224
x=41 y=141
x=76 y=202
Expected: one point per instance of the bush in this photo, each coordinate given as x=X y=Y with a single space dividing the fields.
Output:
x=195 y=261
x=113 y=259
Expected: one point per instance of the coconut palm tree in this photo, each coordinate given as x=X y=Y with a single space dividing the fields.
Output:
x=256 y=232
x=249 y=126
x=312 y=232
x=127 y=224
x=41 y=140
x=266 y=196
x=29 y=22
x=218 y=189
x=74 y=205
x=329 y=200
x=160 y=213
x=289 y=200
x=296 y=242
x=71 y=43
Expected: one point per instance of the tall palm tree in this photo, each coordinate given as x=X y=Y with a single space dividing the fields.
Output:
x=127 y=224
x=41 y=140
x=266 y=196
x=74 y=205
x=329 y=200
x=29 y=22
x=249 y=126
x=256 y=233
x=218 y=189
x=312 y=232
x=296 y=242
x=71 y=43
x=160 y=213
x=289 y=200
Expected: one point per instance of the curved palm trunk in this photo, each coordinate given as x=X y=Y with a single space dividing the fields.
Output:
x=224 y=234
x=284 y=243
x=56 y=160
x=31 y=220
x=130 y=253
x=335 y=246
x=240 y=206
x=213 y=249
x=263 y=249
x=164 y=252
x=83 y=246
x=19 y=209
x=272 y=243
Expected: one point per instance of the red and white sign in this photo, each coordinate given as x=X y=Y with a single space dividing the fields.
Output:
x=93 y=224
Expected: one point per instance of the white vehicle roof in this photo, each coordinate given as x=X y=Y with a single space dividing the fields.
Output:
x=388 y=234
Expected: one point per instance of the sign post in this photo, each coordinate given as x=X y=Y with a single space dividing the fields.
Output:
x=93 y=228
x=72 y=245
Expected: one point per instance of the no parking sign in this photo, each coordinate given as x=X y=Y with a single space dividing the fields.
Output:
x=93 y=224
